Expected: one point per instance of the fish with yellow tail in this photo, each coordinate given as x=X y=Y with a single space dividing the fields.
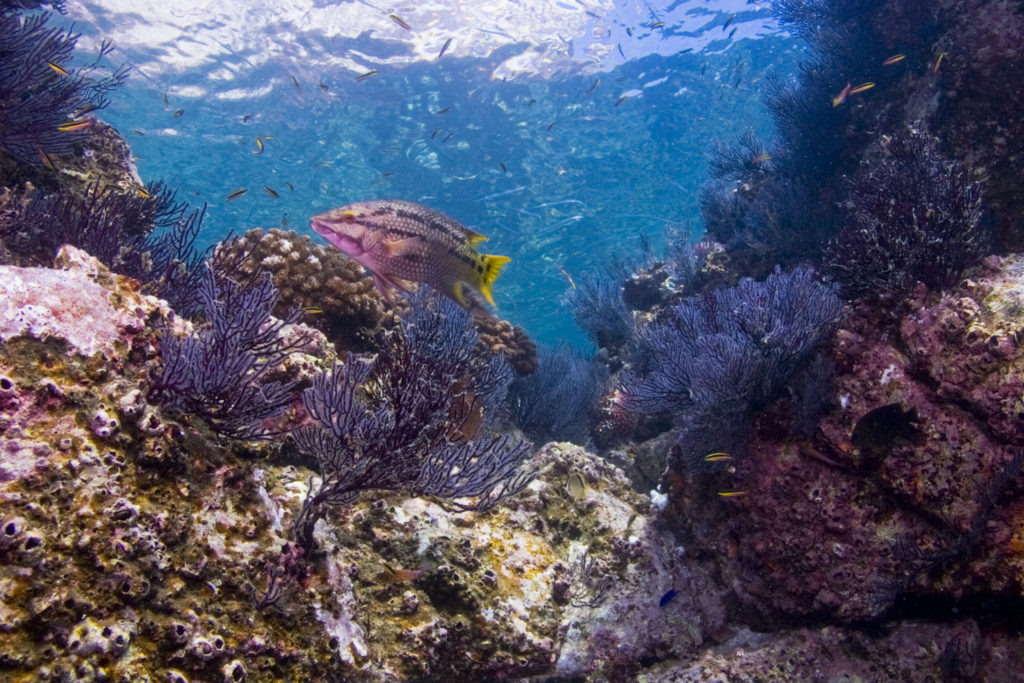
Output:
x=402 y=243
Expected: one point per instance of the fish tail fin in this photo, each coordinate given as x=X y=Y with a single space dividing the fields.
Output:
x=492 y=268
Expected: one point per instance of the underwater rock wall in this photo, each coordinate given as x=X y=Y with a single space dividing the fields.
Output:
x=908 y=492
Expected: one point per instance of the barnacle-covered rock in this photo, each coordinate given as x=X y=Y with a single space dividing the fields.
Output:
x=910 y=651
x=311 y=276
x=118 y=560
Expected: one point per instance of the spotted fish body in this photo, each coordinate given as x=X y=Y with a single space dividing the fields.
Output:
x=402 y=243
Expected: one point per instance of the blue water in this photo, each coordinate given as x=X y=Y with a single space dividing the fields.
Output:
x=567 y=132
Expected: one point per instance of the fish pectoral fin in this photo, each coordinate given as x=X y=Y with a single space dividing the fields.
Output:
x=460 y=298
x=383 y=288
x=473 y=237
x=402 y=247
x=385 y=284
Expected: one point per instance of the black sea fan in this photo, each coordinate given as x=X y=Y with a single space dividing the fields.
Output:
x=913 y=216
x=9 y=6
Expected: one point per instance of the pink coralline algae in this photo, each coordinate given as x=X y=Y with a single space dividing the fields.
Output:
x=69 y=304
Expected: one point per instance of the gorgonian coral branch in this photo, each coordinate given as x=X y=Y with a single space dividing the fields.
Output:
x=219 y=373
x=409 y=419
x=40 y=91
x=715 y=358
x=598 y=308
x=555 y=401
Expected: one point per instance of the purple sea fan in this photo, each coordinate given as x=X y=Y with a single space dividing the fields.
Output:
x=556 y=401
x=40 y=91
x=406 y=419
x=219 y=372
x=715 y=358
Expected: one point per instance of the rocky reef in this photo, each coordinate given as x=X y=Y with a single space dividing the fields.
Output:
x=815 y=475
x=134 y=544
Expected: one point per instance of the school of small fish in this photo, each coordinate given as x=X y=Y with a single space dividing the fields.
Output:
x=402 y=243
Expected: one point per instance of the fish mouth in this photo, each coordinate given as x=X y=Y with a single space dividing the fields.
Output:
x=327 y=228
x=329 y=222
x=320 y=226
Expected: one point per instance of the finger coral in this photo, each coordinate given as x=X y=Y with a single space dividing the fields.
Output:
x=309 y=275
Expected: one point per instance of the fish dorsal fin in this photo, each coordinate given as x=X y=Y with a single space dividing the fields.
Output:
x=403 y=246
x=473 y=237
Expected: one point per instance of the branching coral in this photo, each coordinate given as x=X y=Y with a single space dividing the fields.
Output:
x=408 y=419
x=219 y=373
x=40 y=91
x=715 y=358
x=914 y=216
x=555 y=402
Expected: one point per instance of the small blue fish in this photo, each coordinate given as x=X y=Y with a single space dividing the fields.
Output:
x=667 y=597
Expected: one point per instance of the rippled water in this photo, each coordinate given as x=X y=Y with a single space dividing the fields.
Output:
x=565 y=131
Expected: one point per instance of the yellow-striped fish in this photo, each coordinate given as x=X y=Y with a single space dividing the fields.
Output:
x=74 y=125
x=402 y=243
